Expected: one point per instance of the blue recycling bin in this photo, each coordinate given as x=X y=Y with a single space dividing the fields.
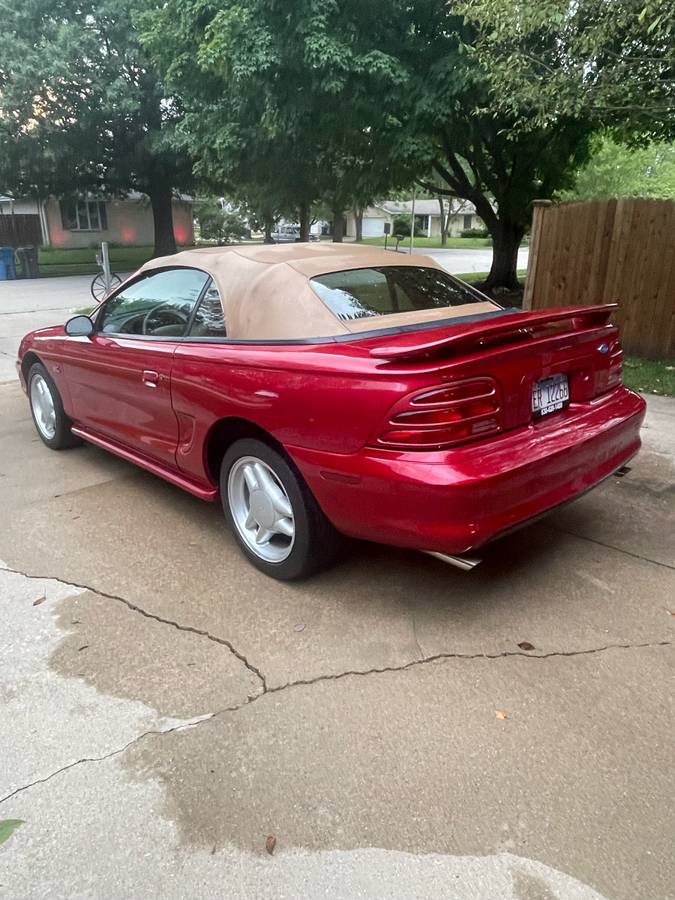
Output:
x=8 y=267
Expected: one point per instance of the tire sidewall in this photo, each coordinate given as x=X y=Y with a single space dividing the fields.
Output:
x=299 y=561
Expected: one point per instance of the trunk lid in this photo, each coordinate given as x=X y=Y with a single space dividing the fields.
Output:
x=516 y=350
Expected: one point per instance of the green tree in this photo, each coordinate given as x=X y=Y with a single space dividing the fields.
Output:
x=612 y=60
x=276 y=109
x=345 y=102
x=615 y=170
x=82 y=109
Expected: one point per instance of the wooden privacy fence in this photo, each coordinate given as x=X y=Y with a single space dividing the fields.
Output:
x=19 y=230
x=609 y=251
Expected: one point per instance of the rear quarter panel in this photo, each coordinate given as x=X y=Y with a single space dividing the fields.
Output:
x=322 y=397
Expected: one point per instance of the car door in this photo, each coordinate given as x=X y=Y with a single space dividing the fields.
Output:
x=120 y=377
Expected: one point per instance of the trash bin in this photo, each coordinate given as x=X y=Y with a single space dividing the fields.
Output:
x=28 y=258
x=7 y=260
x=3 y=271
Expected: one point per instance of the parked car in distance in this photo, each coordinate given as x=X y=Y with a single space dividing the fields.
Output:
x=289 y=234
x=326 y=389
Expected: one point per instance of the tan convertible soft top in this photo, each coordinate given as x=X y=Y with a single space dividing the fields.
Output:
x=266 y=293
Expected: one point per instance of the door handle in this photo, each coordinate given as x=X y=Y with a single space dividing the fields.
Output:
x=150 y=378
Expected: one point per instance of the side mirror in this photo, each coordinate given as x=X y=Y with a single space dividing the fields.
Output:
x=79 y=326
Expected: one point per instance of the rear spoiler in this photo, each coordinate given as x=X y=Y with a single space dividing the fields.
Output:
x=471 y=336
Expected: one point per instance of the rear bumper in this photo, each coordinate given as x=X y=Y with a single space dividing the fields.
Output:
x=456 y=500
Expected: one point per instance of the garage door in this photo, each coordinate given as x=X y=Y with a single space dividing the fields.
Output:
x=373 y=227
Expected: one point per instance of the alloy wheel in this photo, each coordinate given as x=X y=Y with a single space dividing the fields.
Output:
x=261 y=509
x=43 y=406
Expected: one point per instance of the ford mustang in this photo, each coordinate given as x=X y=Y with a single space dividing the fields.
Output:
x=320 y=390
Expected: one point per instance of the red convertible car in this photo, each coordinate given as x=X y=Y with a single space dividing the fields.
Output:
x=322 y=389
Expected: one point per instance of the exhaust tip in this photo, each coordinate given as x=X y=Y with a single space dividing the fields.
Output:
x=466 y=563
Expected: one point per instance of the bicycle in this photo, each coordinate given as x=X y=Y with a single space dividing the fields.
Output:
x=98 y=287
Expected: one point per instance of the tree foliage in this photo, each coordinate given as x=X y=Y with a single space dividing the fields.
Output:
x=610 y=60
x=345 y=101
x=82 y=109
x=265 y=86
x=616 y=170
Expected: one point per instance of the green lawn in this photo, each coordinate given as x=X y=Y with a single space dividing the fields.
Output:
x=481 y=276
x=651 y=376
x=433 y=243
x=82 y=261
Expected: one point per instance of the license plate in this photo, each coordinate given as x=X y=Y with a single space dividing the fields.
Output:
x=550 y=394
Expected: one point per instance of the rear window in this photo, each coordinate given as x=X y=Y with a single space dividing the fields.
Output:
x=386 y=290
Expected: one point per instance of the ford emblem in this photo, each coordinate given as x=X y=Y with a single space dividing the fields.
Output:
x=603 y=348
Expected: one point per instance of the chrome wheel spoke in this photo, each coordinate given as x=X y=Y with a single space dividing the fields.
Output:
x=250 y=477
x=284 y=526
x=250 y=520
x=264 y=535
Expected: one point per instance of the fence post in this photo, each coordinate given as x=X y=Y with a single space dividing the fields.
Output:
x=105 y=265
x=538 y=212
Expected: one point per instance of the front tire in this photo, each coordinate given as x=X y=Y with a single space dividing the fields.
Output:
x=275 y=519
x=51 y=422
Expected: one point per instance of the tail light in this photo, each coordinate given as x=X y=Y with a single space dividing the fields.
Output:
x=615 y=364
x=444 y=416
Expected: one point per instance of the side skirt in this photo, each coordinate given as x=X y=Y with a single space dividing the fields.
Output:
x=173 y=477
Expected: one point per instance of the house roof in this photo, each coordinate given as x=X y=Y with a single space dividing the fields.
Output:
x=425 y=207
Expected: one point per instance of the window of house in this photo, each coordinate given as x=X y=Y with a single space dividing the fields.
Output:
x=468 y=220
x=159 y=305
x=84 y=215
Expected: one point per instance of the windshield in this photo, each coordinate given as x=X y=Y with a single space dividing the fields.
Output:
x=386 y=290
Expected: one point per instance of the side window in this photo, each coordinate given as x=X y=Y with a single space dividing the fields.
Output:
x=159 y=305
x=209 y=320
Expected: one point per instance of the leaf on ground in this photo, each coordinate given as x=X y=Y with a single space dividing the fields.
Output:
x=40 y=599
x=8 y=827
x=526 y=645
x=270 y=844
x=501 y=714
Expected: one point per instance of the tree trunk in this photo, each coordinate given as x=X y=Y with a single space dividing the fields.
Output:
x=506 y=238
x=358 y=224
x=338 y=224
x=269 y=228
x=304 y=221
x=162 y=215
x=444 y=222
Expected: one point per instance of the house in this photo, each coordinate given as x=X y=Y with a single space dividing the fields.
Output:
x=85 y=222
x=461 y=215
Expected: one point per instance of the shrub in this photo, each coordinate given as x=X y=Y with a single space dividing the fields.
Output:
x=217 y=224
x=402 y=226
x=475 y=232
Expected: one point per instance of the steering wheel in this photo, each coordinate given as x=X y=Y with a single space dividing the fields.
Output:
x=169 y=316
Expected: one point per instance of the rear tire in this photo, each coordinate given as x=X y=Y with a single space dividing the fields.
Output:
x=51 y=422
x=273 y=515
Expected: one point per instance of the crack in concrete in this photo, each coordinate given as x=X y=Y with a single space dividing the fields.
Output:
x=89 y=759
x=134 y=608
x=337 y=676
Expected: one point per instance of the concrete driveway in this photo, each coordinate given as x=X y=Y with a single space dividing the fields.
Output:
x=392 y=728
